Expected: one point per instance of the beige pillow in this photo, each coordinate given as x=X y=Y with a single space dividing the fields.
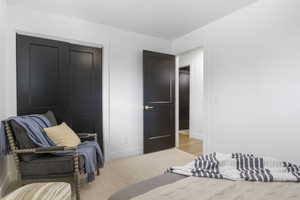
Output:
x=62 y=135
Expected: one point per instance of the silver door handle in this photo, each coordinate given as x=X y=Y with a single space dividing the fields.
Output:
x=149 y=107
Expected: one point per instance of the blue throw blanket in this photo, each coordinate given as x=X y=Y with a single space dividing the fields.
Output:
x=34 y=125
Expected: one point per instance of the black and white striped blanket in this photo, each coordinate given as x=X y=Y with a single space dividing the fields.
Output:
x=240 y=167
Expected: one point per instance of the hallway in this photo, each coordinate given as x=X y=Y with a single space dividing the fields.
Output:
x=190 y=145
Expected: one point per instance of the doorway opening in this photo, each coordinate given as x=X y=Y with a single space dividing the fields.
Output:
x=184 y=100
x=189 y=109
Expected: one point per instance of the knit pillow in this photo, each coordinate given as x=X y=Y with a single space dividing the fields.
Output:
x=62 y=135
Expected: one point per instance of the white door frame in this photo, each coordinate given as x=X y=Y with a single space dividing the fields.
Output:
x=205 y=104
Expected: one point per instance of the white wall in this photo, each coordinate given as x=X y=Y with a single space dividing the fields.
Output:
x=122 y=67
x=252 y=78
x=3 y=31
x=3 y=34
x=194 y=59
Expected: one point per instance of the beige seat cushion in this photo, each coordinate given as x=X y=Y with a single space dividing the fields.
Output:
x=42 y=191
x=62 y=135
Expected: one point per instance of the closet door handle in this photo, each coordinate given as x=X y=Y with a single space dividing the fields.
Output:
x=159 y=137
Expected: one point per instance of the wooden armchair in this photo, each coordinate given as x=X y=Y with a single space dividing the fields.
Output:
x=36 y=164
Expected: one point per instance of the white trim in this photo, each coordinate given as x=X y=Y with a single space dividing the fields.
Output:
x=177 y=102
x=197 y=136
x=126 y=152
x=105 y=76
x=106 y=55
x=206 y=116
x=62 y=39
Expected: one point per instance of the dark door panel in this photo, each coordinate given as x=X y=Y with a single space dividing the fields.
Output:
x=85 y=89
x=38 y=67
x=159 y=117
x=158 y=81
x=158 y=114
x=43 y=92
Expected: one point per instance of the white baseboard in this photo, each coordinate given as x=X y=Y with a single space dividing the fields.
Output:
x=126 y=152
x=198 y=136
x=4 y=184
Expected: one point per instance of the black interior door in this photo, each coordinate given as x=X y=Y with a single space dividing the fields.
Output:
x=159 y=101
x=62 y=77
x=184 y=97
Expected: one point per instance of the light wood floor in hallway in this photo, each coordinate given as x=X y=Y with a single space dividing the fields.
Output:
x=123 y=172
x=190 y=145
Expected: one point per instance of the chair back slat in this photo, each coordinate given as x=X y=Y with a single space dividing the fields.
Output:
x=12 y=145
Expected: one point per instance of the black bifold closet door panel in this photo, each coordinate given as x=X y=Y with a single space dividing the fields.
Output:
x=62 y=77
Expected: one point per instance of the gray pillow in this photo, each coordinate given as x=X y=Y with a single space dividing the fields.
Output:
x=23 y=141
x=51 y=117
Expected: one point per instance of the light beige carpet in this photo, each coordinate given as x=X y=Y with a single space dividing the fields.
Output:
x=120 y=173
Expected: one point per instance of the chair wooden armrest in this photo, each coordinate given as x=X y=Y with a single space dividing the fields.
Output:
x=87 y=136
x=54 y=149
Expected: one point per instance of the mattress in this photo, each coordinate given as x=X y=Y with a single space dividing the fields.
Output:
x=195 y=188
x=145 y=186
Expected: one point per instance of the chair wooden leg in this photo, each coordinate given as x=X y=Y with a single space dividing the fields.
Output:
x=77 y=189
x=76 y=176
x=98 y=172
x=73 y=191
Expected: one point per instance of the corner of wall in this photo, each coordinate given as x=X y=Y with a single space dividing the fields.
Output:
x=4 y=174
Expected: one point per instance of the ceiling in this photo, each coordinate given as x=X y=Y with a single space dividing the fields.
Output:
x=167 y=19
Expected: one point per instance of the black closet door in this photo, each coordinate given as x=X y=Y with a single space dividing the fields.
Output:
x=41 y=76
x=62 y=77
x=85 y=95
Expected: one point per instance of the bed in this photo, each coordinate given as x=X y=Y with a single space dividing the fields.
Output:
x=172 y=186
